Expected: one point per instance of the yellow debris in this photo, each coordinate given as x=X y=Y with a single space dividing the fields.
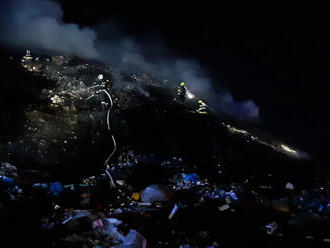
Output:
x=136 y=196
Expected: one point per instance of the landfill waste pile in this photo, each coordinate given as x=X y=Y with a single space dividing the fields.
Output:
x=94 y=157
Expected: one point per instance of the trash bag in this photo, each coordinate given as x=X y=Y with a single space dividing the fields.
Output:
x=190 y=178
x=56 y=188
x=156 y=192
x=132 y=239
x=7 y=180
x=89 y=229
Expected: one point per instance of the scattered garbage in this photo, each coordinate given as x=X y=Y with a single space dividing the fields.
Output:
x=271 y=227
x=130 y=238
x=8 y=173
x=176 y=210
x=95 y=229
x=187 y=181
x=218 y=194
x=8 y=170
x=89 y=229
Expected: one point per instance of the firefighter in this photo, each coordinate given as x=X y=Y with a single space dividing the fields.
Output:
x=106 y=83
x=202 y=109
x=27 y=57
x=182 y=92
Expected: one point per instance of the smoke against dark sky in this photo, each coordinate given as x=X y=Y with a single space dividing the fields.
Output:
x=38 y=25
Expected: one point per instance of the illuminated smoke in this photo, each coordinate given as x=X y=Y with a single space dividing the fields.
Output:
x=38 y=25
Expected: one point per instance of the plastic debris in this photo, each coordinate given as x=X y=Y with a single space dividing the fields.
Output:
x=289 y=186
x=174 y=210
x=40 y=186
x=218 y=194
x=155 y=193
x=103 y=232
x=131 y=239
x=97 y=223
x=190 y=178
x=144 y=204
x=90 y=180
x=5 y=179
x=231 y=195
x=56 y=188
x=69 y=186
x=271 y=227
x=224 y=207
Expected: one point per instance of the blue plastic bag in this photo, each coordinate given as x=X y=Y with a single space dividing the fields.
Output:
x=56 y=188
x=190 y=178
x=5 y=179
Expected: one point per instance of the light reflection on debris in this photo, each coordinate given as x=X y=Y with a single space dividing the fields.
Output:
x=288 y=149
x=235 y=130
x=279 y=147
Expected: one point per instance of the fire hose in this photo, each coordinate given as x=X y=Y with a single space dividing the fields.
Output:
x=109 y=129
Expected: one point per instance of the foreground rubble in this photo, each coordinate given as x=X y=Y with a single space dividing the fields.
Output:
x=182 y=210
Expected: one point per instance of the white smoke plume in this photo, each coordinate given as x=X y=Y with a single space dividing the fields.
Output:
x=131 y=55
x=37 y=24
